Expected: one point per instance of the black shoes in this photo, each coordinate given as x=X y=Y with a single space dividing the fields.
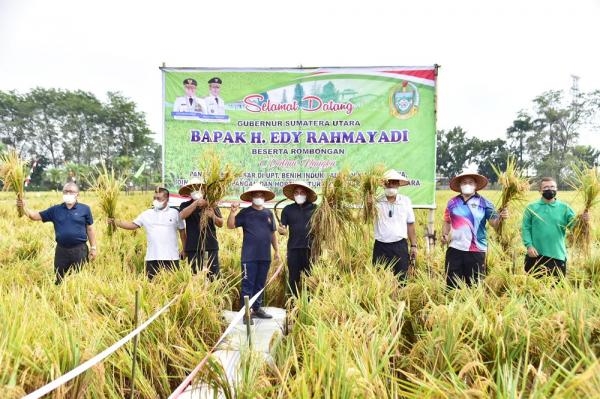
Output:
x=261 y=314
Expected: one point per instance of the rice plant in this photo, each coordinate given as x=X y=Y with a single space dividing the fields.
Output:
x=586 y=182
x=354 y=332
x=108 y=186
x=514 y=192
x=12 y=173
x=339 y=198
x=372 y=186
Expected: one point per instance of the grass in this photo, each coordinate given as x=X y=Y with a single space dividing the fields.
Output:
x=356 y=332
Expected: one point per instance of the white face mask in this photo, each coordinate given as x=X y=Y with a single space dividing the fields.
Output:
x=69 y=198
x=391 y=191
x=196 y=195
x=158 y=205
x=467 y=189
x=258 y=201
x=300 y=199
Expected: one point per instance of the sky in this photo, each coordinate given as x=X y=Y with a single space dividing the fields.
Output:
x=495 y=56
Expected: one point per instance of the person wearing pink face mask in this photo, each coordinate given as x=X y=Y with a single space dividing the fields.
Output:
x=464 y=229
x=73 y=227
x=258 y=225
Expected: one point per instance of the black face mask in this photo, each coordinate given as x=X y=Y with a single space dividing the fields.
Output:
x=549 y=194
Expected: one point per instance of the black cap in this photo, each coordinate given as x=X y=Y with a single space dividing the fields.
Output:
x=190 y=81
x=215 y=80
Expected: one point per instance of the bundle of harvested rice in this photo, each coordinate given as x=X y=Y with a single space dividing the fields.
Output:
x=218 y=178
x=108 y=186
x=371 y=185
x=587 y=183
x=339 y=197
x=13 y=170
x=514 y=192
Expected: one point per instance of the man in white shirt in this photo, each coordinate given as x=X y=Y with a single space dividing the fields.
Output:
x=161 y=224
x=214 y=104
x=395 y=224
x=189 y=102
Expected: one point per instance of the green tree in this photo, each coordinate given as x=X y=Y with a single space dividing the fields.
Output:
x=298 y=93
x=519 y=136
x=329 y=92
x=546 y=139
x=14 y=121
x=75 y=127
x=586 y=154
x=44 y=116
x=454 y=151
x=80 y=117
x=487 y=153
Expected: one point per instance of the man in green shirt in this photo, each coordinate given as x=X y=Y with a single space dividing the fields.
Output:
x=544 y=229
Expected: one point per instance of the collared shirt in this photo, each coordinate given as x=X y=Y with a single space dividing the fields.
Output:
x=258 y=227
x=545 y=227
x=297 y=217
x=194 y=237
x=70 y=225
x=468 y=219
x=161 y=233
x=214 y=105
x=392 y=218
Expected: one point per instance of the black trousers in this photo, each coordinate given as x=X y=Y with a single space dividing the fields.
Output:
x=67 y=259
x=298 y=260
x=545 y=266
x=467 y=266
x=154 y=266
x=212 y=262
x=394 y=254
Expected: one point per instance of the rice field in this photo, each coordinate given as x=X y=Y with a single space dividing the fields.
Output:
x=354 y=331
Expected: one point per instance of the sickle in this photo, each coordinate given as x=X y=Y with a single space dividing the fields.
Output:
x=275 y=210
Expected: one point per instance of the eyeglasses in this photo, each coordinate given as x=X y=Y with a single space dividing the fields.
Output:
x=70 y=192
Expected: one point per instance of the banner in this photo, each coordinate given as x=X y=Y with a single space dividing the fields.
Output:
x=282 y=125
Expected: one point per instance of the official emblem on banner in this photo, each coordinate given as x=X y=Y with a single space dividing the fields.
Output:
x=404 y=100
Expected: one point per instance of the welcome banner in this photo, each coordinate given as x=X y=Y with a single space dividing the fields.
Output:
x=282 y=125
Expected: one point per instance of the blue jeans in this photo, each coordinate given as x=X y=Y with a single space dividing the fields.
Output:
x=254 y=277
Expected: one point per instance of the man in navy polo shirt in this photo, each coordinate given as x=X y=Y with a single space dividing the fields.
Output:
x=258 y=225
x=73 y=227
x=296 y=218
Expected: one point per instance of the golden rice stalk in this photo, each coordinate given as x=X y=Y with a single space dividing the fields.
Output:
x=218 y=177
x=514 y=191
x=371 y=184
x=340 y=195
x=108 y=186
x=13 y=170
x=586 y=182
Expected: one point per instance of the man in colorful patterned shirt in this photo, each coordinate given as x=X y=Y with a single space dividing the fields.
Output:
x=464 y=229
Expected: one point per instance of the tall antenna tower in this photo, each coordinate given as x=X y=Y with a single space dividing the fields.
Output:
x=575 y=92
